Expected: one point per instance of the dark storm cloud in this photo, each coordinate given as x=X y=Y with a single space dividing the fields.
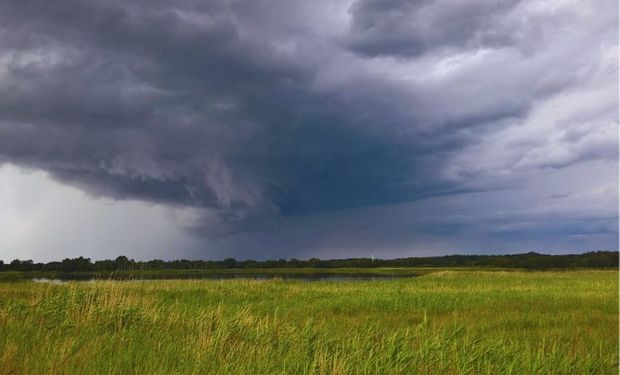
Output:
x=253 y=111
x=412 y=28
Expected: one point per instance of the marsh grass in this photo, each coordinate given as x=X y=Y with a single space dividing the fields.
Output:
x=449 y=322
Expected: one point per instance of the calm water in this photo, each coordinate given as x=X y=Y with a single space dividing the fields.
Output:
x=59 y=279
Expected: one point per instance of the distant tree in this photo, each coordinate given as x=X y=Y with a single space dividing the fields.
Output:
x=122 y=263
x=597 y=259
x=155 y=264
x=77 y=264
x=22 y=265
x=230 y=263
x=313 y=262
x=104 y=265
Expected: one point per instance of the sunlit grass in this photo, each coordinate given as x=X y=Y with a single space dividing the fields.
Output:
x=443 y=323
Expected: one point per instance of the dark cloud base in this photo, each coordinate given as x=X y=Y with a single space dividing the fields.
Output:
x=251 y=117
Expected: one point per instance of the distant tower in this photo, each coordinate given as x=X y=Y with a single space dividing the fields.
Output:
x=372 y=257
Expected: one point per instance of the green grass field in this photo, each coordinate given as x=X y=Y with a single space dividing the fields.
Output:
x=445 y=322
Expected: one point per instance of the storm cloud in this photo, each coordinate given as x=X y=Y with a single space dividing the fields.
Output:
x=255 y=115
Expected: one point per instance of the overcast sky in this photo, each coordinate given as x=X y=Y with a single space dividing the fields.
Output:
x=278 y=129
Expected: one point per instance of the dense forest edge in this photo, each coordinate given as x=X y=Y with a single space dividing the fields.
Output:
x=531 y=260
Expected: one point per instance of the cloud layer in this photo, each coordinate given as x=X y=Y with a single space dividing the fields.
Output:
x=251 y=114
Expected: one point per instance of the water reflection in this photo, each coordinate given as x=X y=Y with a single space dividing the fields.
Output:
x=62 y=278
x=48 y=281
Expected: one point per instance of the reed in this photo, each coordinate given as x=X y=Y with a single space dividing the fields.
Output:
x=449 y=322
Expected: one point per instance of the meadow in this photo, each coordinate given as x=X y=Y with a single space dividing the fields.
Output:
x=444 y=322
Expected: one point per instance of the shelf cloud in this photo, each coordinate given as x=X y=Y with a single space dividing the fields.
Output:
x=462 y=121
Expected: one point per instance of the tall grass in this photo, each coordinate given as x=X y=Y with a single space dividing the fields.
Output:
x=441 y=323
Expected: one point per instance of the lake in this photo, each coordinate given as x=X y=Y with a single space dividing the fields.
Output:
x=61 y=278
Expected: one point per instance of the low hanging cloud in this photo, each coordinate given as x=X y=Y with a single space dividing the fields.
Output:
x=413 y=28
x=247 y=113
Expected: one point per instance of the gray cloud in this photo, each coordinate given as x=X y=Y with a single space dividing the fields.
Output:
x=413 y=28
x=250 y=113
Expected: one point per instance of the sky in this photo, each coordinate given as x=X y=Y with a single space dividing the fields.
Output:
x=259 y=129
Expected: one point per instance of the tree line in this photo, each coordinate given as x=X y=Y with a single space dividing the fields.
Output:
x=595 y=259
